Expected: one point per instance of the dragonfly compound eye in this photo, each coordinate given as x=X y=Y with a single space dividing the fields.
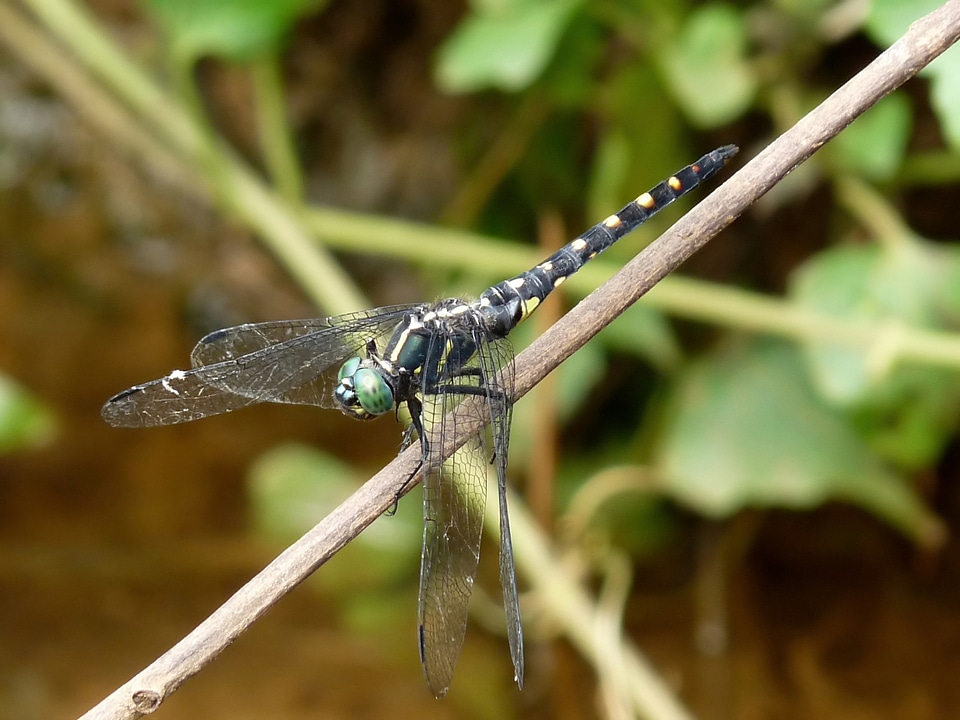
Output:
x=373 y=393
x=361 y=392
x=348 y=369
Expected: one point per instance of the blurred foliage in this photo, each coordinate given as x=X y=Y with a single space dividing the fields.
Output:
x=874 y=146
x=235 y=30
x=503 y=45
x=717 y=63
x=752 y=424
x=292 y=487
x=603 y=99
x=907 y=412
x=887 y=20
x=706 y=66
x=565 y=109
x=793 y=449
x=24 y=421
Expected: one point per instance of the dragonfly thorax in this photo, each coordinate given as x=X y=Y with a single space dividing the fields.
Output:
x=429 y=346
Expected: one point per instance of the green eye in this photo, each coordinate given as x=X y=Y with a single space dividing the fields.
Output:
x=348 y=369
x=362 y=392
x=373 y=393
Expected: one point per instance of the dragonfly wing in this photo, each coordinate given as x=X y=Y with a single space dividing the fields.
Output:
x=453 y=498
x=181 y=396
x=234 y=342
x=454 y=495
x=495 y=360
x=283 y=362
x=287 y=361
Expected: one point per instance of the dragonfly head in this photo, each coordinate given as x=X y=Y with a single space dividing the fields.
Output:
x=362 y=391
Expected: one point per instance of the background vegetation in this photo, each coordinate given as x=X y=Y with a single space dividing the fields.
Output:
x=754 y=467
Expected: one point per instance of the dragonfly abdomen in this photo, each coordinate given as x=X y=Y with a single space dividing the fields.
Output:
x=507 y=304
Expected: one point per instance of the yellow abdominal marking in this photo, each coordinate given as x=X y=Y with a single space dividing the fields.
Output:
x=530 y=305
x=646 y=201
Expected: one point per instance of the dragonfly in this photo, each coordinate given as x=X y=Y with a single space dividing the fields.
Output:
x=428 y=358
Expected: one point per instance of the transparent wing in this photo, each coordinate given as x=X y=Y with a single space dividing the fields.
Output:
x=454 y=494
x=233 y=342
x=182 y=396
x=496 y=363
x=453 y=522
x=281 y=362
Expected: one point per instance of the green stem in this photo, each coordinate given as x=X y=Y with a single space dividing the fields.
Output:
x=872 y=211
x=932 y=168
x=686 y=297
x=28 y=43
x=744 y=310
x=287 y=232
x=279 y=148
x=240 y=191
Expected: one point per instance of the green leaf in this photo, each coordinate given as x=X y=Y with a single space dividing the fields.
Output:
x=746 y=429
x=646 y=333
x=907 y=412
x=505 y=45
x=237 y=30
x=908 y=282
x=912 y=415
x=293 y=487
x=24 y=422
x=945 y=95
x=706 y=66
x=888 y=20
x=875 y=144
x=841 y=282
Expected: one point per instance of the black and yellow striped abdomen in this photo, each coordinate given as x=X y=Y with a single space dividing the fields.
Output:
x=508 y=303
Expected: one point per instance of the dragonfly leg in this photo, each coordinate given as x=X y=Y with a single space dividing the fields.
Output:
x=416 y=425
x=402 y=490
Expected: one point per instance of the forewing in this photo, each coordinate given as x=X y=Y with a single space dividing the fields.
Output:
x=180 y=397
x=287 y=361
x=233 y=342
x=282 y=362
